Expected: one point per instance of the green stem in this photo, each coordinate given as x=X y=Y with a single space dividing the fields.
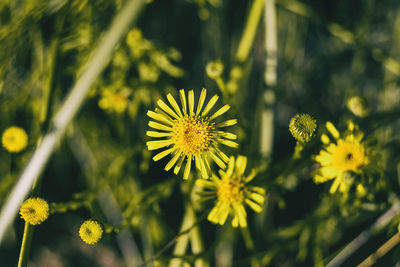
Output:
x=196 y=241
x=249 y=243
x=26 y=245
x=183 y=240
x=250 y=29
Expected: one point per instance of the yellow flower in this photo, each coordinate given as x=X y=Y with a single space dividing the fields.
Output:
x=189 y=135
x=34 y=210
x=114 y=101
x=231 y=192
x=90 y=232
x=14 y=139
x=341 y=158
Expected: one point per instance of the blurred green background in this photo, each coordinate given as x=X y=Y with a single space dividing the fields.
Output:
x=327 y=52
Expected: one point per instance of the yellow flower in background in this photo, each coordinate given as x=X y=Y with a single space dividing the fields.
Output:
x=190 y=135
x=340 y=158
x=230 y=192
x=34 y=210
x=114 y=101
x=90 y=232
x=14 y=139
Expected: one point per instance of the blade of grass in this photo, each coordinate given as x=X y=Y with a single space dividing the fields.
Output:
x=69 y=109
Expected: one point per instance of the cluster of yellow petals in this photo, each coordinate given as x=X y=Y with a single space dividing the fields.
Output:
x=189 y=134
x=230 y=192
x=338 y=159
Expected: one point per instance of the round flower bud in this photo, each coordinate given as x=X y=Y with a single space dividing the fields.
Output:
x=214 y=69
x=302 y=127
x=14 y=139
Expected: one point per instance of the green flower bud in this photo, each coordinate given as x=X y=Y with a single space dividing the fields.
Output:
x=302 y=127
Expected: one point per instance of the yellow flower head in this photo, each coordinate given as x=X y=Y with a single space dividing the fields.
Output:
x=34 y=210
x=302 y=127
x=190 y=135
x=114 y=101
x=14 y=139
x=90 y=232
x=340 y=158
x=230 y=192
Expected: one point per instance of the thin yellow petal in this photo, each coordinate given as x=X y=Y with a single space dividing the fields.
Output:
x=228 y=143
x=187 y=168
x=257 y=198
x=223 y=215
x=159 y=117
x=209 y=105
x=205 y=184
x=332 y=129
x=183 y=100
x=241 y=214
x=335 y=185
x=191 y=102
x=241 y=162
x=217 y=160
x=179 y=164
x=174 y=105
x=159 y=126
x=226 y=135
x=325 y=139
x=254 y=206
x=235 y=221
x=212 y=214
x=167 y=109
x=200 y=166
x=158 y=134
x=251 y=176
x=172 y=162
x=152 y=145
x=220 y=112
x=221 y=154
x=231 y=166
x=226 y=123
x=163 y=154
x=201 y=100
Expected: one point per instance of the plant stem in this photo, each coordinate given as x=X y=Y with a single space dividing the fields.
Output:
x=248 y=241
x=183 y=240
x=250 y=29
x=379 y=224
x=385 y=248
x=26 y=245
x=68 y=111
x=196 y=241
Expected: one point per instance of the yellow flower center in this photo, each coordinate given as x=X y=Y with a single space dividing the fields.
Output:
x=230 y=191
x=34 y=210
x=192 y=134
x=348 y=156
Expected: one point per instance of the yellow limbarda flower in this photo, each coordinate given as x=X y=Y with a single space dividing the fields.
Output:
x=231 y=192
x=34 y=210
x=341 y=158
x=114 y=101
x=14 y=139
x=90 y=232
x=190 y=135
